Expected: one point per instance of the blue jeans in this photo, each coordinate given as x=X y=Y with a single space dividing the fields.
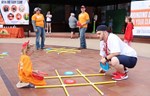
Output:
x=40 y=33
x=82 y=37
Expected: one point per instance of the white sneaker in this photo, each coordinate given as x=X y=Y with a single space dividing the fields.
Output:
x=21 y=84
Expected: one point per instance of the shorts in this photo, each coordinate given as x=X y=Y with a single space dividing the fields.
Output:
x=73 y=30
x=127 y=61
x=48 y=22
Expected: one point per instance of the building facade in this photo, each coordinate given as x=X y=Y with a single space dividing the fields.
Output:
x=61 y=12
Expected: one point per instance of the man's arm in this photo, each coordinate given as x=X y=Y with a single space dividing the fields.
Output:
x=34 y=26
x=88 y=21
x=108 y=57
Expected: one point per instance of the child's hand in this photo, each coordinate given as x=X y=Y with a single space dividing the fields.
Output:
x=35 y=71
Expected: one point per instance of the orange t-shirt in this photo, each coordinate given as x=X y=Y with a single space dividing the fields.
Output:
x=39 y=20
x=25 y=72
x=83 y=17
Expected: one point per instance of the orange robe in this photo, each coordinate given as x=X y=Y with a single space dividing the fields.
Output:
x=25 y=71
x=128 y=32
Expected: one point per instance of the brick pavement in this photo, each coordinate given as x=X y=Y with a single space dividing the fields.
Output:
x=87 y=61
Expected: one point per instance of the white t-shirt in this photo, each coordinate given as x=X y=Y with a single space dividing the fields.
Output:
x=115 y=44
x=102 y=52
x=48 y=17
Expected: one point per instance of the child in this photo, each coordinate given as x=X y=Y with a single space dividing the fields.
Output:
x=128 y=32
x=25 y=71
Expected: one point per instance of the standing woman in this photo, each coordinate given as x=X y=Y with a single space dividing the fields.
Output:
x=38 y=23
x=128 y=31
x=48 y=21
x=72 y=24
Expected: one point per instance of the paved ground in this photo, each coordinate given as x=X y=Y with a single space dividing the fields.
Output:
x=141 y=48
x=87 y=61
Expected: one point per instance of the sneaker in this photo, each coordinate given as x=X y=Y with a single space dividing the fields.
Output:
x=21 y=84
x=43 y=48
x=30 y=86
x=37 y=48
x=115 y=73
x=126 y=70
x=24 y=85
x=120 y=76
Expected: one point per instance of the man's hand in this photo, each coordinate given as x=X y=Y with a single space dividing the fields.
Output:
x=103 y=60
x=35 y=30
x=101 y=71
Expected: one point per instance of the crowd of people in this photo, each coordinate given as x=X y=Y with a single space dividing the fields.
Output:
x=113 y=50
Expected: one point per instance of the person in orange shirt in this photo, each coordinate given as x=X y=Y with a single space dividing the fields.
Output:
x=83 y=19
x=128 y=36
x=25 y=71
x=38 y=23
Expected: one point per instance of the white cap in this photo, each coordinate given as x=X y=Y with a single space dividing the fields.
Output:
x=72 y=14
x=36 y=9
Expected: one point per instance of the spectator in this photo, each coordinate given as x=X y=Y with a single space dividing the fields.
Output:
x=38 y=23
x=72 y=24
x=128 y=36
x=83 y=19
x=48 y=21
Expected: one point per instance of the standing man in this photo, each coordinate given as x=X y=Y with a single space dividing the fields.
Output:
x=38 y=23
x=116 y=52
x=83 y=20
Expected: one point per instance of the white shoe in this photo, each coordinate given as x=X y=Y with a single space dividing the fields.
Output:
x=21 y=84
